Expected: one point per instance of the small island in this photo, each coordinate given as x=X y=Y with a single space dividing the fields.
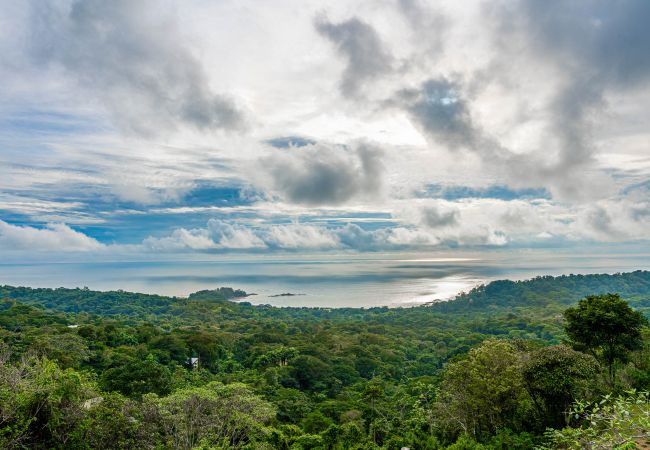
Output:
x=286 y=294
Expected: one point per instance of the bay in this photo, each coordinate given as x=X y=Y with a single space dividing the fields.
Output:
x=324 y=280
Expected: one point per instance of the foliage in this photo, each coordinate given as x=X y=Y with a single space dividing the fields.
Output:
x=221 y=416
x=606 y=326
x=91 y=369
x=555 y=377
x=614 y=422
x=482 y=392
x=138 y=377
x=40 y=404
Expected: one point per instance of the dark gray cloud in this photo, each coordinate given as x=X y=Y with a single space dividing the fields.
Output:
x=440 y=112
x=134 y=61
x=605 y=41
x=600 y=220
x=595 y=44
x=326 y=175
x=441 y=109
x=435 y=217
x=598 y=46
x=571 y=112
x=362 y=48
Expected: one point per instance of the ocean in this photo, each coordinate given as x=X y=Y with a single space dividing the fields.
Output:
x=348 y=280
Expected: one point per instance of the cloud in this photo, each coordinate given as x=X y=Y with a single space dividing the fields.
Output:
x=434 y=217
x=232 y=236
x=134 y=60
x=54 y=237
x=600 y=221
x=427 y=25
x=491 y=123
x=590 y=49
x=218 y=235
x=222 y=235
x=300 y=236
x=181 y=239
x=411 y=237
x=134 y=192
x=613 y=220
x=600 y=46
x=440 y=112
x=353 y=236
x=325 y=174
x=363 y=50
x=604 y=40
x=423 y=224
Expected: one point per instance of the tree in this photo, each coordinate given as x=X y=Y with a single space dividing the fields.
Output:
x=208 y=348
x=170 y=348
x=214 y=415
x=138 y=377
x=279 y=357
x=67 y=349
x=482 y=393
x=41 y=405
x=639 y=371
x=310 y=372
x=115 y=422
x=373 y=393
x=606 y=327
x=316 y=422
x=554 y=377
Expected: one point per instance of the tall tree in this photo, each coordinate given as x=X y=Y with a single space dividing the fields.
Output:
x=482 y=393
x=555 y=377
x=606 y=327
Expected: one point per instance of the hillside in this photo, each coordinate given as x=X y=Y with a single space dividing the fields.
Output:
x=314 y=377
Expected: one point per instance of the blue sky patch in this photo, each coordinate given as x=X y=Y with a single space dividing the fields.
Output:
x=290 y=141
x=499 y=192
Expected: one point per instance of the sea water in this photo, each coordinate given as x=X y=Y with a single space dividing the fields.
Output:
x=327 y=280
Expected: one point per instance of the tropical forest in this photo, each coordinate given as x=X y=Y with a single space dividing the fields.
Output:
x=547 y=363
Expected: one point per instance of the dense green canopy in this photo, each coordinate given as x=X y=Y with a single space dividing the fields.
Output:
x=87 y=369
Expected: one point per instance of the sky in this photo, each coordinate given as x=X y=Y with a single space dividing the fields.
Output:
x=201 y=127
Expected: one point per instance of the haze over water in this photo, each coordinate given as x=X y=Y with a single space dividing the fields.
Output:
x=323 y=280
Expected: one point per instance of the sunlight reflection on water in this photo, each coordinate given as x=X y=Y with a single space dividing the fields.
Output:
x=324 y=280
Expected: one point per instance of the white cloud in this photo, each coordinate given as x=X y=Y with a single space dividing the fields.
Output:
x=401 y=236
x=181 y=239
x=55 y=237
x=231 y=236
x=217 y=235
x=136 y=192
x=224 y=236
x=300 y=236
x=220 y=235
